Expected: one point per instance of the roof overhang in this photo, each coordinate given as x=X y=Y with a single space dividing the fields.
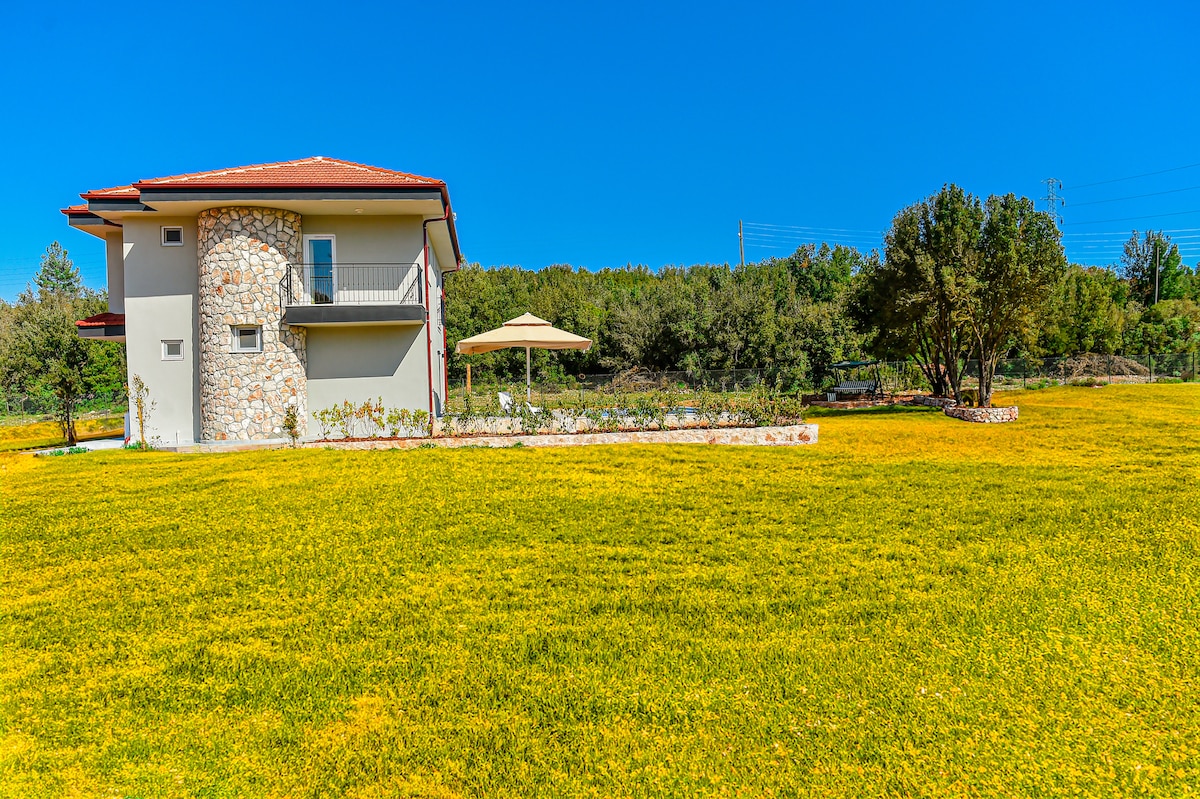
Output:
x=85 y=220
x=102 y=327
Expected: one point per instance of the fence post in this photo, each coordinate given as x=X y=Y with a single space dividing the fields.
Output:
x=1150 y=360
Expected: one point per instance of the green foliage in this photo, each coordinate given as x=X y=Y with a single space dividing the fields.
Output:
x=781 y=315
x=1154 y=268
x=1084 y=313
x=58 y=274
x=960 y=278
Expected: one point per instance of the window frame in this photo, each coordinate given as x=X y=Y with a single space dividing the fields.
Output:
x=162 y=233
x=236 y=338
x=167 y=356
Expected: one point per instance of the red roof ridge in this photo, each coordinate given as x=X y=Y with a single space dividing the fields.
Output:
x=302 y=162
x=128 y=189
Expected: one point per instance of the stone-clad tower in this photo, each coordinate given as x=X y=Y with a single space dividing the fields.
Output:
x=244 y=254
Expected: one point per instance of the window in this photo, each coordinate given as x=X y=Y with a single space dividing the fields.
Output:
x=172 y=236
x=322 y=273
x=247 y=338
x=172 y=350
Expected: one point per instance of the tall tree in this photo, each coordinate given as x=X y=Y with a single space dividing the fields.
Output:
x=58 y=274
x=1154 y=268
x=41 y=353
x=1020 y=262
x=912 y=302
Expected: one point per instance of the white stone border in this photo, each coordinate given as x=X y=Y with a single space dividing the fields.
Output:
x=782 y=436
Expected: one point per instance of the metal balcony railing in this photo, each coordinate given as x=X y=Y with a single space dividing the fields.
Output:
x=351 y=284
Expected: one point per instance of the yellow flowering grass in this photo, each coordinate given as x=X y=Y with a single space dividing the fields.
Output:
x=913 y=606
x=48 y=434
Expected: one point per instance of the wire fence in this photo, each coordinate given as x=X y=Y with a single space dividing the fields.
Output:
x=113 y=402
x=895 y=376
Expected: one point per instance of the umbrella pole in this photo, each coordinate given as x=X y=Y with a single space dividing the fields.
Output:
x=528 y=390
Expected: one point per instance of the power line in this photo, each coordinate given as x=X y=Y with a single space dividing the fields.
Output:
x=1131 y=218
x=806 y=227
x=1134 y=177
x=1137 y=196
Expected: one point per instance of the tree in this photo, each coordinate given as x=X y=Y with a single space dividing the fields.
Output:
x=41 y=353
x=959 y=277
x=58 y=274
x=910 y=305
x=1154 y=268
x=1021 y=261
x=1084 y=314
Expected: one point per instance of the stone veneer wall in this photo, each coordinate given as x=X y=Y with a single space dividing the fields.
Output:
x=244 y=253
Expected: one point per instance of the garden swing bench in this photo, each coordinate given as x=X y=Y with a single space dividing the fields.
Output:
x=873 y=388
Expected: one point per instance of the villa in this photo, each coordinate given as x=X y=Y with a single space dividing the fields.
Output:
x=241 y=291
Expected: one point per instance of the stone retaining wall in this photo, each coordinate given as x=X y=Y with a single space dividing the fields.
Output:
x=985 y=415
x=784 y=436
x=243 y=255
x=933 y=402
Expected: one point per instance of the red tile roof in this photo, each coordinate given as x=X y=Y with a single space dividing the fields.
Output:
x=315 y=171
x=102 y=320
x=115 y=191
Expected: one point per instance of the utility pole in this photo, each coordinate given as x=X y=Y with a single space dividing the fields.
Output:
x=741 y=244
x=1053 y=198
x=1157 y=266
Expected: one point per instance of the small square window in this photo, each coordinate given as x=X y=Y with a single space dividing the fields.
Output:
x=247 y=339
x=172 y=350
x=172 y=236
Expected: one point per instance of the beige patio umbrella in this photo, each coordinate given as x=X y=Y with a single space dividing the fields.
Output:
x=525 y=331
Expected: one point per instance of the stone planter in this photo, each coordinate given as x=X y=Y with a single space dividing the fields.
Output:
x=983 y=415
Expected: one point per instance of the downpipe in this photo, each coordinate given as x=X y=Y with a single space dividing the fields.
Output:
x=428 y=319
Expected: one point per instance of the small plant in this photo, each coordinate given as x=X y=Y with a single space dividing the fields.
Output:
x=346 y=419
x=422 y=422
x=398 y=420
x=328 y=419
x=291 y=422
x=142 y=405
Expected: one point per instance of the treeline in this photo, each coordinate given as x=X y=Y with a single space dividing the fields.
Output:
x=42 y=358
x=796 y=315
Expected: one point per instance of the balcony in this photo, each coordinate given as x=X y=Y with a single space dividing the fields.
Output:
x=352 y=294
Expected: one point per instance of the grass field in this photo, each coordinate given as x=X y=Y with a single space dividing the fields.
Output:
x=32 y=435
x=914 y=606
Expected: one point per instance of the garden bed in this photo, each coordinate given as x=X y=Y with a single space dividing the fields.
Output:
x=771 y=436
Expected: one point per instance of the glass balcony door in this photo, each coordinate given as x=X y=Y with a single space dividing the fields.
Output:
x=321 y=269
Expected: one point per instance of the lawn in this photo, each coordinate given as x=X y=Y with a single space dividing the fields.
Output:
x=913 y=606
x=34 y=435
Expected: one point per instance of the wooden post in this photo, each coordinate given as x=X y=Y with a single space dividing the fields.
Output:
x=741 y=244
x=468 y=378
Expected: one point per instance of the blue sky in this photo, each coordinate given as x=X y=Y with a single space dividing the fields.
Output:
x=623 y=132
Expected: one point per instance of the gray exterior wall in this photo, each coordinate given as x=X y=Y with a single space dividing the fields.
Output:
x=370 y=239
x=160 y=285
x=115 y=259
x=361 y=363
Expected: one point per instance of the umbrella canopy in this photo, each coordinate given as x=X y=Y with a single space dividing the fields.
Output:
x=526 y=331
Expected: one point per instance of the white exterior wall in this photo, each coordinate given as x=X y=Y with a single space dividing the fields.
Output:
x=358 y=363
x=160 y=285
